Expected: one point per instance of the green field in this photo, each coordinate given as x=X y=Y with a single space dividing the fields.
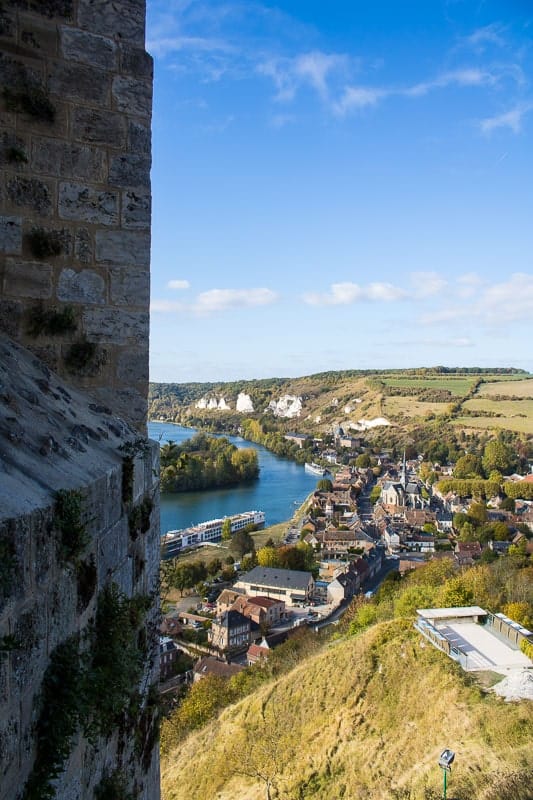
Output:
x=458 y=385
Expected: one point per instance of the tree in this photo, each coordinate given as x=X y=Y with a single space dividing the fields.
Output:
x=375 y=494
x=497 y=456
x=362 y=461
x=261 y=747
x=226 y=530
x=468 y=466
x=267 y=557
x=521 y=613
x=324 y=485
x=242 y=543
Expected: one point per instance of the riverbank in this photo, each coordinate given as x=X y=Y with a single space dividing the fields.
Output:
x=281 y=487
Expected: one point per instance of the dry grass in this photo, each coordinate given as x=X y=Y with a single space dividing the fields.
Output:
x=517 y=414
x=475 y=424
x=513 y=388
x=411 y=407
x=366 y=718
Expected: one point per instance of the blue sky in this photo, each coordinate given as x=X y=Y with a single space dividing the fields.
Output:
x=340 y=185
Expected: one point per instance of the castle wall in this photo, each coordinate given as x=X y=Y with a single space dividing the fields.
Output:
x=75 y=155
x=79 y=498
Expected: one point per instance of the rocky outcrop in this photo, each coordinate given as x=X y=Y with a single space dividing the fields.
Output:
x=287 y=406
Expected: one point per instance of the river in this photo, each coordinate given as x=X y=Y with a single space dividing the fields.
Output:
x=281 y=487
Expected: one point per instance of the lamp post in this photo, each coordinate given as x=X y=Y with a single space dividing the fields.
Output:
x=445 y=763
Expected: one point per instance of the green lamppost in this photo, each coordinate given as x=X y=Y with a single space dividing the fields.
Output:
x=445 y=763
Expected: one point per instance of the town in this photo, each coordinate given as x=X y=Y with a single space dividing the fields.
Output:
x=361 y=524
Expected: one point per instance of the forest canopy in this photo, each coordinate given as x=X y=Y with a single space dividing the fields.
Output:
x=205 y=462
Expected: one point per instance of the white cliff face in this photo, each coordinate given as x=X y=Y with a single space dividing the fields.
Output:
x=222 y=405
x=366 y=424
x=212 y=404
x=287 y=406
x=202 y=403
x=350 y=407
x=244 y=403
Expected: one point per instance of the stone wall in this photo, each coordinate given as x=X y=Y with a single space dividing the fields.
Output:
x=75 y=155
x=79 y=519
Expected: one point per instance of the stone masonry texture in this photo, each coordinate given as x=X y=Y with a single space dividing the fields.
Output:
x=75 y=156
x=75 y=215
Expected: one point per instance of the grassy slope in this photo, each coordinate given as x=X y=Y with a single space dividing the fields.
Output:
x=365 y=718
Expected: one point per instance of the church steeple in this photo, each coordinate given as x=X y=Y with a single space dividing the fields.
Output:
x=403 y=474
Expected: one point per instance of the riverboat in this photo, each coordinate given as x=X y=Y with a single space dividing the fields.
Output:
x=174 y=542
x=316 y=469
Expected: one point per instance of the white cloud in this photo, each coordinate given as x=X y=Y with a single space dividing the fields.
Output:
x=469 y=284
x=343 y=294
x=358 y=97
x=460 y=77
x=511 y=119
x=427 y=284
x=493 y=306
x=509 y=301
x=178 y=284
x=489 y=34
x=224 y=299
x=308 y=69
x=215 y=300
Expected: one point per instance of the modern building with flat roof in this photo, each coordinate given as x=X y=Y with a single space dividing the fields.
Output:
x=475 y=638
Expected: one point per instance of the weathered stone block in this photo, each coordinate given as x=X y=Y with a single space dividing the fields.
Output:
x=10 y=235
x=132 y=366
x=89 y=125
x=28 y=279
x=84 y=203
x=10 y=317
x=41 y=38
x=139 y=138
x=115 y=325
x=30 y=193
x=65 y=160
x=136 y=62
x=129 y=170
x=132 y=96
x=125 y=19
x=81 y=287
x=83 y=246
x=130 y=286
x=98 y=51
x=48 y=8
x=80 y=82
x=136 y=210
x=123 y=248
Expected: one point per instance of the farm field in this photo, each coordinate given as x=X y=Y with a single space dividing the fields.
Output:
x=517 y=415
x=458 y=386
x=410 y=407
x=523 y=388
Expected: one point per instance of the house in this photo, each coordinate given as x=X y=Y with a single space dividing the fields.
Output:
x=391 y=540
x=291 y=586
x=265 y=611
x=467 y=552
x=258 y=652
x=168 y=656
x=229 y=631
x=226 y=599
x=343 y=587
x=212 y=666
x=298 y=439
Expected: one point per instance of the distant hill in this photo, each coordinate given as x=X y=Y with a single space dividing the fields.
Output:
x=470 y=398
x=367 y=717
